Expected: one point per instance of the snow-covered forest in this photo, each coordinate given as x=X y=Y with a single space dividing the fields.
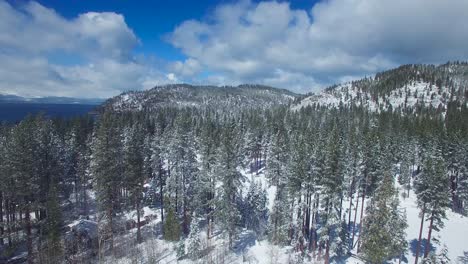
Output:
x=275 y=179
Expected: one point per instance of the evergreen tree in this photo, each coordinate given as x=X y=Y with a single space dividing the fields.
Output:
x=106 y=167
x=134 y=170
x=432 y=192
x=193 y=240
x=332 y=193
x=22 y=166
x=277 y=173
x=53 y=225
x=171 y=226
x=441 y=258
x=157 y=164
x=255 y=210
x=383 y=235
x=231 y=180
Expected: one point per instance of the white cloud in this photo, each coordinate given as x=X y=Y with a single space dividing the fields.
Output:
x=187 y=68
x=92 y=55
x=95 y=49
x=269 y=42
x=172 y=77
x=35 y=76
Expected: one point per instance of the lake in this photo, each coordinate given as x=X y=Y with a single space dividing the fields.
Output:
x=12 y=112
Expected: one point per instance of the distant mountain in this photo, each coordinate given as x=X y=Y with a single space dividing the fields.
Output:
x=7 y=98
x=183 y=95
x=408 y=88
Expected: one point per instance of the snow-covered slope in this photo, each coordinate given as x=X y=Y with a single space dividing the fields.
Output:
x=248 y=249
x=184 y=95
x=417 y=93
x=406 y=88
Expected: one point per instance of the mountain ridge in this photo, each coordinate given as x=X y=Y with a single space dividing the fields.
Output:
x=407 y=88
x=186 y=95
x=10 y=98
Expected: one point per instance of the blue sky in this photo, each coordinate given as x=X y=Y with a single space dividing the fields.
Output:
x=101 y=48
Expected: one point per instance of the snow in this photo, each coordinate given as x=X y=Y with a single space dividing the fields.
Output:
x=259 y=177
x=147 y=211
x=247 y=249
x=265 y=253
x=454 y=235
x=426 y=94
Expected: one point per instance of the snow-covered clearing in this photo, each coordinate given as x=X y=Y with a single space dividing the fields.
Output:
x=454 y=234
x=247 y=249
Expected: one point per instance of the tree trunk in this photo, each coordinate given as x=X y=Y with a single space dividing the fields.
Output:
x=2 y=230
x=453 y=185
x=138 y=219
x=76 y=190
x=291 y=231
x=349 y=211
x=185 y=210
x=341 y=207
x=360 y=220
x=307 y=216
x=111 y=229
x=408 y=188
x=85 y=202
x=275 y=225
x=8 y=221
x=355 y=218
x=428 y=242
x=161 y=197
x=362 y=210
x=316 y=219
x=418 y=247
x=327 y=252
x=29 y=235
x=312 y=235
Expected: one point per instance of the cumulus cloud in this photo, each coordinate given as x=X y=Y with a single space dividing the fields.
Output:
x=95 y=52
x=269 y=42
x=92 y=55
x=187 y=68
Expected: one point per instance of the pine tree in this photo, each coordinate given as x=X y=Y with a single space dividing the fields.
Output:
x=404 y=174
x=432 y=192
x=255 y=210
x=106 y=167
x=231 y=180
x=332 y=193
x=277 y=173
x=22 y=165
x=171 y=226
x=441 y=258
x=205 y=186
x=383 y=235
x=53 y=225
x=134 y=170
x=184 y=169
x=193 y=240
x=157 y=164
x=180 y=249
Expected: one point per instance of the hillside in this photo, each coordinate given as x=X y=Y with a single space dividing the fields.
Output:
x=405 y=88
x=184 y=95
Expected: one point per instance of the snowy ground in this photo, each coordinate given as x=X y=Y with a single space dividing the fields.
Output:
x=454 y=235
x=249 y=250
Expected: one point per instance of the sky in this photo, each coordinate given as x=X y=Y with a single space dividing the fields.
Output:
x=98 y=49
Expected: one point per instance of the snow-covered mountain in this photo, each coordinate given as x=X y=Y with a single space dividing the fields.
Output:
x=406 y=88
x=184 y=95
x=9 y=98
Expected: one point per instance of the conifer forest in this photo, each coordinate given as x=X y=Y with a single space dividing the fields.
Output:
x=203 y=174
